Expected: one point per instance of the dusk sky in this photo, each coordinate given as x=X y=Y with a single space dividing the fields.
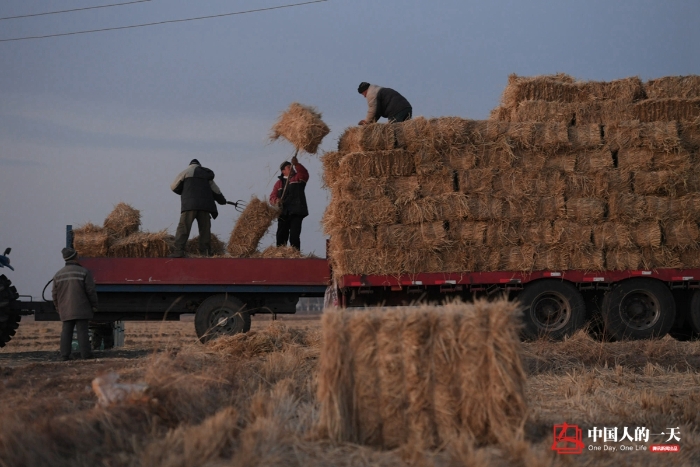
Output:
x=89 y=120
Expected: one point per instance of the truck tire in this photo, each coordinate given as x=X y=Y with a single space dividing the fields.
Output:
x=8 y=322
x=220 y=315
x=638 y=309
x=551 y=308
x=693 y=317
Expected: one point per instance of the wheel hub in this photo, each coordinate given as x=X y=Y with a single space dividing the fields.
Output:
x=640 y=310
x=550 y=312
x=226 y=321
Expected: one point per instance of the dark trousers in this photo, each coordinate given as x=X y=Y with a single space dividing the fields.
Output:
x=402 y=116
x=185 y=226
x=83 y=337
x=289 y=228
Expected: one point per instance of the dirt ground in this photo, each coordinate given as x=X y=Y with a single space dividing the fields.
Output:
x=50 y=417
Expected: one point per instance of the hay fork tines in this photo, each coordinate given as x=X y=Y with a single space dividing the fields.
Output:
x=239 y=205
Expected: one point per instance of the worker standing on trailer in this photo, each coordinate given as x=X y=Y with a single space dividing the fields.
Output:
x=384 y=102
x=197 y=191
x=288 y=193
x=75 y=299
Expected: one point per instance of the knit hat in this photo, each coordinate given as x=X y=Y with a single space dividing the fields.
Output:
x=69 y=254
x=194 y=161
x=284 y=164
x=362 y=87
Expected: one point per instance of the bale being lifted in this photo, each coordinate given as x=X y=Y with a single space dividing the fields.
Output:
x=250 y=228
x=302 y=126
x=123 y=221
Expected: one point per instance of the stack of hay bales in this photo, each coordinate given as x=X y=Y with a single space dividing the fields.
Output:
x=422 y=376
x=565 y=175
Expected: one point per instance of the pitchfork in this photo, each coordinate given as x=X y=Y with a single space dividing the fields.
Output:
x=239 y=205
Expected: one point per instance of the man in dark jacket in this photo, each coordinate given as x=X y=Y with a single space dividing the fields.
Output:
x=384 y=102
x=288 y=194
x=75 y=299
x=197 y=191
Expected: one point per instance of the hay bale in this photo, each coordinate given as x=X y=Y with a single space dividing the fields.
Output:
x=653 y=135
x=620 y=259
x=553 y=259
x=658 y=208
x=487 y=259
x=302 y=126
x=519 y=258
x=679 y=160
x=603 y=112
x=585 y=135
x=502 y=233
x=585 y=210
x=572 y=234
x=439 y=183
x=450 y=206
x=358 y=188
x=686 y=207
x=586 y=259
x=280 y=252
x=355 y=237
x=646 y=234
x=415 y=134
x=143 y=245
x=422 y=236
x=460 y=158
x=542 y=111
x=662 y=182
x=662 y=257
x=476 y=181
x=401 y=190
x=668 y=87
x=551 y=207
x=625 y=207
x=653 y=110
x=459 y=258
x=331 y=168
x=397 y=163
x=594 y=160
x=250 y=227
x=91 y=241
x=501 y=113
x=626 y=89
x=467 y=232
x=553 y=88
x=516 y=207
x=365 y=138
x=689 y=258
x=690 y=135
x=484 y=208
x=633 y=159
x=563 y=163
x=452 y=131
x=439 y=373
x=359 y=261
x=123 y=221
x=681 y=234
x=612 y=235
x=427 y=161
x=550 y=134
x=218 y=248
x=537 y=233
x=525 y=182
x=363 y=212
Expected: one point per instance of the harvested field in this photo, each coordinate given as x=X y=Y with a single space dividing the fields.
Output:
x=251 y=400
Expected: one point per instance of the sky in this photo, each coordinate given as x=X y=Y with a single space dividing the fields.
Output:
x=91 y=120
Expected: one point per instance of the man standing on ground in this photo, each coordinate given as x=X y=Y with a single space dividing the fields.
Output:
x=288 y=194
x=197 y=191
x=384 y=102
x=75 y=299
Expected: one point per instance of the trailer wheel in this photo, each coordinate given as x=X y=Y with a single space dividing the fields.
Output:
x=638 y=309
x=693 y=317
x=8 y=322
x=552 y=309
x=220 y=315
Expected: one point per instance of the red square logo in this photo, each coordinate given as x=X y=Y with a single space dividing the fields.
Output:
x=568 y=439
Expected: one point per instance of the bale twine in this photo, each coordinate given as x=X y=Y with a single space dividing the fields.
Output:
x=593 y=160
x=422 y=236
x=662 y=257
x=668 y=87
x=585 y=136
x=218 y=248
x=646 y=234
x=439 y=183
x=364 y=212
x=302 y=126
x=681 y=234
x=467 y=232
x=401 y=190
x=620 y=259
x=123 y=221
x=91 y=241
x=143 y=245
x=250 y=227
x=475 y=181
x=653 y=110
x=377 y=164
x=585 y=210
x=439 y=373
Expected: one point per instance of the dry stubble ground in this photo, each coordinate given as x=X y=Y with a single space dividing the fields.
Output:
x=250 y=400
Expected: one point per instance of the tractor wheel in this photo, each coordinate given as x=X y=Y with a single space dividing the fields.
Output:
x=552 y=309
x=638 y=309
x=8 y=322
x=220 y=315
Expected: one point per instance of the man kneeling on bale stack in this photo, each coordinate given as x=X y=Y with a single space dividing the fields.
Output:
x=197 y=191
x=384 y=102
x=288 y=194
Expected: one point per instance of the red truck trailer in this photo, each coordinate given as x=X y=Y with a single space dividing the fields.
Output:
x=223 y=293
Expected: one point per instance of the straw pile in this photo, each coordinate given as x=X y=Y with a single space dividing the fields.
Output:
x=123 y=221
x=422 y=376
x=91 y=240
x=566 y=175
x=218 y=248
x=250 y=227
x=302 y=126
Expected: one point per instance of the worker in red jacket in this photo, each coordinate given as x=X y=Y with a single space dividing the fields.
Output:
x=288 y=194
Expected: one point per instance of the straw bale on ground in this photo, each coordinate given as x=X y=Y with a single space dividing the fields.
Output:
x=593 y=160
x=218 y=248
x=438 y=375
x=646 y=234
x=620 y=259
x=450 y=206
x=401 y=190
x=438 y=183
x=377 y=164
x=652 y=135
x=681 y=234
x=123 y=221
x=681 y=87
x=653 y=110
x=91 y=241
x=250 y=227
x=612 y=235
x=302 y=126
x=422 y=236
x=585 y=135
x=143 y=245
